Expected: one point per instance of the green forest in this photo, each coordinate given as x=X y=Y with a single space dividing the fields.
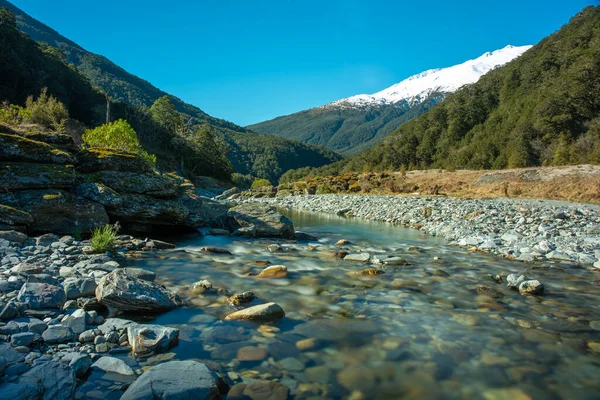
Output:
x=540 y=109
x=346 y=130
x=199 y=144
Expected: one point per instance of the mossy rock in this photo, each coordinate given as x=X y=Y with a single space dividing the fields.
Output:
x=95 y=160
x=13 y=216
x=18 y=148
x=139 y=208
x=59 y=211
x=150 y=183
x=24 y=176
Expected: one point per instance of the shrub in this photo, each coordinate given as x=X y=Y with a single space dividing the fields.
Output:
x=259 y=183
x=46 y=111
x=104 y=238
x=241 y=180
x=13 y=115
x=118 y=135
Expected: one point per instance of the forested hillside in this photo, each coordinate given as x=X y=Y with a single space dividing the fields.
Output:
x=346 y=130
x=540 y=109
x=249 y=152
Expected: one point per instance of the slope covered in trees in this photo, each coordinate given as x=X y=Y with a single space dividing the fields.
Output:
x=347 y=130
x=540 y=109
x=248 y=152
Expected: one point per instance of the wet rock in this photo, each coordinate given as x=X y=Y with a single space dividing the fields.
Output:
x=395 y=261
x=215 y=250
x=87 y=336
x=201 y=286
x=241 y=298
x=358 y=257
x=369 y=272
x=305 y=237
x=259 y=390
x=259 y=220
x=149 y=183
x=114 y=365
x=513 y=281
x=57 y=379
x=533 y=287
x=58 y=334
x=175 y=380
x=41 y=295
x=274 y=248
x=274 y=271
x=126 y=293
x=251 y=353
x=263 y=312
x=342 y=242
x=146 y=340
x=357 y=377
x=115 y=324
x=218 y=232
x=26 y=269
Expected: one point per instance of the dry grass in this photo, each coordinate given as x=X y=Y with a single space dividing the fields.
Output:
x=574 y=183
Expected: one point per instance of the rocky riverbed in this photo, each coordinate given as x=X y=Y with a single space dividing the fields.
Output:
x=525 y=230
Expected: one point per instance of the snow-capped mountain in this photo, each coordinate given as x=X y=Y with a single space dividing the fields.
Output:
x=419 y=87
x=356 y=123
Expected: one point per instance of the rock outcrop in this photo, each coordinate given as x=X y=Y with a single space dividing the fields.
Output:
x=259 y=220
x=50 y=186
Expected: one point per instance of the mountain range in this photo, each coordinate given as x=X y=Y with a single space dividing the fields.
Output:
x=358 y=122
x=542 y=108
x=249 y=152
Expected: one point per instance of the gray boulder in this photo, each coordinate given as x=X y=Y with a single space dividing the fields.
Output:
x=79 y=287
x=259 y=220
x=41 y=295
x=114 y=365
x=99 y=193
x=58 y=334
x=126 y=293
x=262 y=312
x=57 y=379
x=21 y=391
x=13 y=236
x=175 y=380
x=146 y=340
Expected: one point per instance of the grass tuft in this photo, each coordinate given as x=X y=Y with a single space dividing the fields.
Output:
x=104 y=238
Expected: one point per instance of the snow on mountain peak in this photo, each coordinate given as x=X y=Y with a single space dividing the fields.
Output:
x=418 y=87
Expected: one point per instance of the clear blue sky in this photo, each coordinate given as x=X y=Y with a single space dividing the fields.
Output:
x=251 y=60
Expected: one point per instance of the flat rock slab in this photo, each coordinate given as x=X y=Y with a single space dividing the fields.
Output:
x=57 y=379
x=175 y=380
x=358 y=257
x=262 y=312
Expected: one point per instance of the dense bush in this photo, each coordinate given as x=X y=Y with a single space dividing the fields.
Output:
x=117 y=135
x=242 y=181
x=46 y=111
x=259 y=183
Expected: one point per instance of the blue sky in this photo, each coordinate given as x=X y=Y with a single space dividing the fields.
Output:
x=248 y=61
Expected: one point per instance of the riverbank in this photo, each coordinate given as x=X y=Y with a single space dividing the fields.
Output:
x=525 y=230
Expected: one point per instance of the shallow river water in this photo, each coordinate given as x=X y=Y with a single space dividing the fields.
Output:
x=440 y=327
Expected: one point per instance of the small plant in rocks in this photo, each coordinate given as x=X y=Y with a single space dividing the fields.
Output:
x=104 y=238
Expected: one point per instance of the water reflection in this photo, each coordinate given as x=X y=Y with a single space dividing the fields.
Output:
x=439 y=327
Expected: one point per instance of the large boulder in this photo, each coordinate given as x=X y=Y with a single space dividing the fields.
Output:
x=18 y=148
x=79 y=287
x=201 y=211
x=99 y=193
x=41 y=295
x=259 y=220
x=120 y=290
x=94 y=160
x=57 y=210
x=10 y=216
x=175 y=380
x=146 y=340
x=150 y=183
x=57 y=379
x=142 y=209
x=21 y=391
x=22 y=176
